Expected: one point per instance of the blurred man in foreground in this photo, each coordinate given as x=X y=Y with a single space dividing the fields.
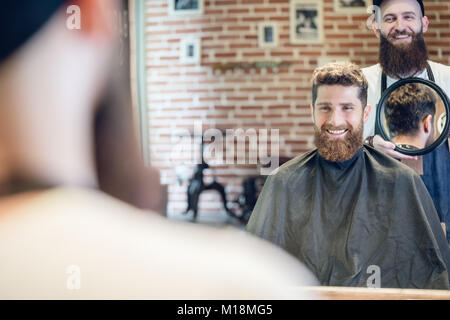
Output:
x=60 y=238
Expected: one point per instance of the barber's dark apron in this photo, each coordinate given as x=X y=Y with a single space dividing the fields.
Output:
x=436 y=170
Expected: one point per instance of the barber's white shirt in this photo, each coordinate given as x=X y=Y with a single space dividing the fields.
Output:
x=373 y=75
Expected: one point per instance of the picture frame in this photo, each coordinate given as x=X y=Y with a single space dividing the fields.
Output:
x=185 y=7
x=267 y=34
x=190 y=51
x=306 y=21
x=351 y=6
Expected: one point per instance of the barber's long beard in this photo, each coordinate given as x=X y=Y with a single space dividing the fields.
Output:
x=402 y=61
x=336 y=149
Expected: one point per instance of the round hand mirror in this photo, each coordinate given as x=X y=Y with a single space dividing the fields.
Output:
x=412 y=113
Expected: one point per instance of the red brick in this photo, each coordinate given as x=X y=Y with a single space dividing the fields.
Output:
x=200 y=21
x=186 y=31
x=173 y=22
x=252 y=19
x=223 y=90
x=228 y=37
x=277 y=107
x=238 y=11
x=250 y=89
x=253 y=54
x=227 y=20
x=242 y=45
x=225 y=55
x=265 y=10
x=227 y=108
x=225 y=2
x=238 y=28
x=251 y=107
x=259 y=98
x=213 y=12
x=252 y=1
x=209 y=99
x=212 y=29
x=236 y=98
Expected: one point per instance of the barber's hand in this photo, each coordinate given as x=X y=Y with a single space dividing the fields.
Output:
x=388 y=147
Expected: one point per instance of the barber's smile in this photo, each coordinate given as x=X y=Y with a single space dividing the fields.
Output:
x=401 y=38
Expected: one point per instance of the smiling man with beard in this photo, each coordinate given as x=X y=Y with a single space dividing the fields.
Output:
x=400 y=25
x=345 y=209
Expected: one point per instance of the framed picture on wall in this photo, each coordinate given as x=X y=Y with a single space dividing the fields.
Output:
x=185 y=7
x=190 y=51
x=306 y=21
x=267 y=34
x=351 y=6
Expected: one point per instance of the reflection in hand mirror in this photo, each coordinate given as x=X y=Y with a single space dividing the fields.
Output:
x=412 y=113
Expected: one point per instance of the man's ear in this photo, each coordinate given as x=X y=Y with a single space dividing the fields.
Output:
x=425 y=23
x=427 y=123
x=311 y=107
x=366 y=113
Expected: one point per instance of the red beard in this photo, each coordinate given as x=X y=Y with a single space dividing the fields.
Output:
x=338 y=150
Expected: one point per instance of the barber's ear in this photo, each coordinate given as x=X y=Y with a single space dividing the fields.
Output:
x=425 y=23
x=366 y=113
x=427 y=123
x=376 y=28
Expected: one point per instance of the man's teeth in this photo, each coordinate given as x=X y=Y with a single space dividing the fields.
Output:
x=401 y=37
x=337 y=131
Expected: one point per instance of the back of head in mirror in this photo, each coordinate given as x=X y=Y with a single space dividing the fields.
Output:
x=410 y=113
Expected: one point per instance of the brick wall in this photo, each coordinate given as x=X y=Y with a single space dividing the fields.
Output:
x=179 y=94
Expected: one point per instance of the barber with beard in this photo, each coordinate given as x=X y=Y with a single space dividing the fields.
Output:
x=346 y=210
x=400 y=25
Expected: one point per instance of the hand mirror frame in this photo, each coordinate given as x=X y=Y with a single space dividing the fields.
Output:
x=380 y=111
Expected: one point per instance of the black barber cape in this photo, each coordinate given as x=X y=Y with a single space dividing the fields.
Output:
x=344 y=220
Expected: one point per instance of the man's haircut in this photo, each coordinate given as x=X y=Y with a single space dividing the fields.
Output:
x=340 y=73
x=407 y=106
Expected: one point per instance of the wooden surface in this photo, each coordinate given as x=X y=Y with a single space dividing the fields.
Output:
x=347 y=293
